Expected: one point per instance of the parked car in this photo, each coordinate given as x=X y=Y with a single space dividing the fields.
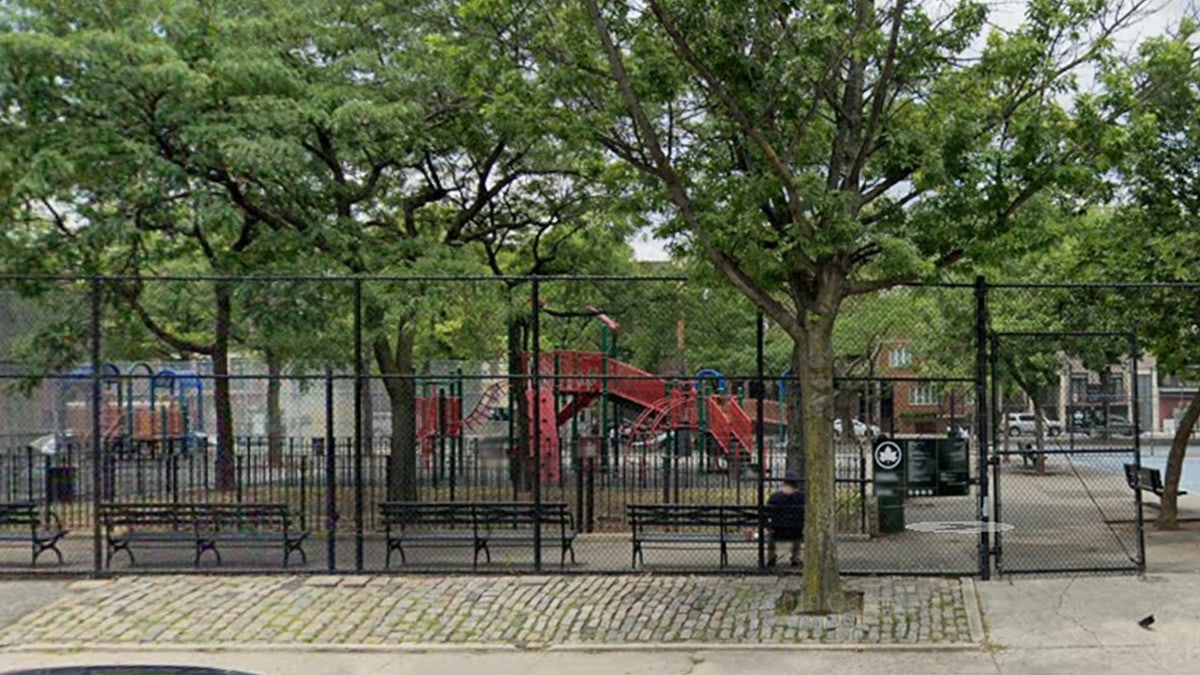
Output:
x=1025 y=424
x=861 y=429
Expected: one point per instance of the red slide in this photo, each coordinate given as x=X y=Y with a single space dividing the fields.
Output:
x=582 y=375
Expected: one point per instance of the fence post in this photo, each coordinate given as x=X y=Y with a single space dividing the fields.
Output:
x=97 y=441
x=331 y=505
x=29 y=491
x=862 y=491
x=358 y=425
x=759 y=435
x=535 y=299
x=303 y=493
x=1137 y=449
x=981 y=423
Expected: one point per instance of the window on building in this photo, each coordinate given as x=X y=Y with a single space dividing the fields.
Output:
x=924 y=394
x=899 y=357
x=1079 y=388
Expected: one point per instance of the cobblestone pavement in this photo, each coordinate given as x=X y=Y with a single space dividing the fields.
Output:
x=525 y=611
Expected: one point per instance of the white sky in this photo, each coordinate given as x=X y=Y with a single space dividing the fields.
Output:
x=1004 y=12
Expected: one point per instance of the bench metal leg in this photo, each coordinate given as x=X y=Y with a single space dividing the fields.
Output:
x=40 y=546
x=203 y=545
x=113 y=547
x=290 y=547
x=394 y=545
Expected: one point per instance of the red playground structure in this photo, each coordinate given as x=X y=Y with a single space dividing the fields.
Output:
x=573 y=381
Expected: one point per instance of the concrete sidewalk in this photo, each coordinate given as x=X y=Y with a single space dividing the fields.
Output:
x=1063 y=625
x=698 y=662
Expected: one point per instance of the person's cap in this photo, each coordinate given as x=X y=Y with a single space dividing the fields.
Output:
x=792 y=476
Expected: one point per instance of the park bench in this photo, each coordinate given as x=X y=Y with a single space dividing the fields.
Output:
x=513 y=524
x=1146 y=479
x=695 y=526
x=21 y=522
x=199 y=528
x=251 y=526
x=430 y=525
x=1029 y=455
x=472 y=524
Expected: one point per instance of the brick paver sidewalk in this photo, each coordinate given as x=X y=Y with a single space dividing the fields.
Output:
x=526 y=611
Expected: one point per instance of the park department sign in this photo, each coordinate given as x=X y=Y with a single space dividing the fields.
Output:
x=888 y=455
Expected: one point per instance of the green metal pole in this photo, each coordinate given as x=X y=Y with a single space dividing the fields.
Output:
x=604 y=401
x=458 y=443
x=781 y=429
x=129 y=410
x=702 y=428
x=612 y=353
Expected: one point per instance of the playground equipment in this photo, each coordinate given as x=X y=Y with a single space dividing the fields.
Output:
x=719 y=421
x=441 y=426
x=165 y=412
x=597 y=382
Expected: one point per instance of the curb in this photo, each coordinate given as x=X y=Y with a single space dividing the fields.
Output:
x=767 y=646
x=974 y=611
x=421 y=648
x=211 y=647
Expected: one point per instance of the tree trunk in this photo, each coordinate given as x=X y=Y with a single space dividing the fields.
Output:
x=225 y=461
x=1039 y=438
x=520 y=458
x=368 y=413
x=1168 y=515
x=812 y=361
x=275 y=428
x=793 y=399
x=397 y=372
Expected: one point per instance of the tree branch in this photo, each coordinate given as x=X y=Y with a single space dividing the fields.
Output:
x=183 y=345
x=866 y=287
x=879 y=94
x=777 y=167
x=666 y=172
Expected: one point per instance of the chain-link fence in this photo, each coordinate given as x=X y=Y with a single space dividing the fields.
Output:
x=573 y=424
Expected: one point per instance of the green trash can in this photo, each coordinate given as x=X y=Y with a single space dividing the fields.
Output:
x=60 y=484
x=891 y=513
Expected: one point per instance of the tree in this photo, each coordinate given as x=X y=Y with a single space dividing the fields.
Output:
x=378 y=143
x=1152 y=235
x=135 y=161
x=814 y=151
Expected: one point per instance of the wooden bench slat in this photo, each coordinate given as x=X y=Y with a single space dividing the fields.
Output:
x=477 y=524
x=729 y=521
x=201 y=526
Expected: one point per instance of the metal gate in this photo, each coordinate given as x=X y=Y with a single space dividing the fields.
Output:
x=1060 y=495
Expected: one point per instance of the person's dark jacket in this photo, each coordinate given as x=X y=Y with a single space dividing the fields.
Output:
x=785 y=515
